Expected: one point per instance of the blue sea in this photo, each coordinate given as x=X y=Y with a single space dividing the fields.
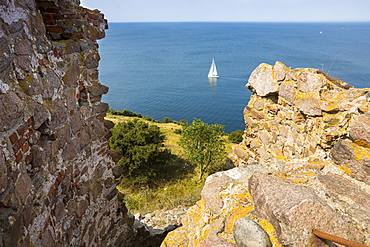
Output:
x=160 y=69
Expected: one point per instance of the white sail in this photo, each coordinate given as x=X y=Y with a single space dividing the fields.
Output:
x=213 y=70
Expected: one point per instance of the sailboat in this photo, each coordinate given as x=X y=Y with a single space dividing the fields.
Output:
x=213 y=70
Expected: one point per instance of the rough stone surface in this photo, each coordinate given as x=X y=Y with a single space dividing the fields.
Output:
x=359 y=129
x=263 y=81
x=215 y=242
x=355 y=157
x=248 y=233
x=216 y=182
x=295 y=210
x=308 y=134
x=355 y=200
x=57 y=187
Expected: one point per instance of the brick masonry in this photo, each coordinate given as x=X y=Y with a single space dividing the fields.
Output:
x=56 y=182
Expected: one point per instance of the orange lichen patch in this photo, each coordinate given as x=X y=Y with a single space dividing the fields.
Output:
x=360 y=152
x=195 y=212
x=313 y=95
x=300 y=178
x=270 y=231
x=362 y=143
x=241 y=209
x=280 y=157
x=174 y=238
x=236 y=213
x=345 y=169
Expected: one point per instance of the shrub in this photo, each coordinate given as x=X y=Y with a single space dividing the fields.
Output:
x=140 y=145
x=167 y=120
x=236 y=136
x=178 y=131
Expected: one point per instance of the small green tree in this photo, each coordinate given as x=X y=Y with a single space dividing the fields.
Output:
x=236 y=136
x=167 y=120
x=204 y=145
x=140 y=146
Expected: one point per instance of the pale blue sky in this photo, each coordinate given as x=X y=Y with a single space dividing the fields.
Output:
x=232 y=10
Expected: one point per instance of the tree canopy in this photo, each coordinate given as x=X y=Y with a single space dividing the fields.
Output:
x=204 y=145
x=140 y=145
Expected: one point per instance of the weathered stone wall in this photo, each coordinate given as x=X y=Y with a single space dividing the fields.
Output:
x=57 y=186
x=303 y=164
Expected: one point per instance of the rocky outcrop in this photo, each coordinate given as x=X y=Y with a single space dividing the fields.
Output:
x=303 y=165
x=57 y=186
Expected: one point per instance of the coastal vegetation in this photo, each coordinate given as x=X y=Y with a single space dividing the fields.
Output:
x=162 y=175
x=204 y=146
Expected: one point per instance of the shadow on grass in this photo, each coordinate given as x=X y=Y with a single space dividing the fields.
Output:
x=173 y=168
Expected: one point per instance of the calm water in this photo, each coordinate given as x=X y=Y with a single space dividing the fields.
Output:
x=160 y=69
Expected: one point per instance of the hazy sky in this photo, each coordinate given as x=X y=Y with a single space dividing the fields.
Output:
x=231 y=10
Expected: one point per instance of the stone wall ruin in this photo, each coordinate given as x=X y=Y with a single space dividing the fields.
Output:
x=57 y=186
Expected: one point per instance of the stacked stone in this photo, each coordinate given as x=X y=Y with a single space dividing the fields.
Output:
x=303 y=165
x=66 y=19
x=296 y=113
x=57 y=187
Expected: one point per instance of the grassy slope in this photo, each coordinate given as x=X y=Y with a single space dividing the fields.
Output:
x=181 y=189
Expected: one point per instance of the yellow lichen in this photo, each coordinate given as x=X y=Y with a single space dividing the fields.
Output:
x=270 y=231
x=360 y=152
x=345 y=169
x=362 y=143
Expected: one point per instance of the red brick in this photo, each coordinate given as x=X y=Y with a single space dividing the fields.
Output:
x=79 y=35
x=72 y=16
x=29 y=133
x=93 y=16
x=28 y=159
x=94 y=22
x=19 y=144
x=53 y=17
x=25 y=147
x=52 y=10
x=13 y=138
x=30 y=121
x=54 y=29
x=49 y=22
x=67 y=35
x=18 y=157
x=21 y=130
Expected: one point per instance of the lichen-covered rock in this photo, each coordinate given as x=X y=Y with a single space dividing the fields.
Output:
x=295 y=211
x=355 y=157
x=215 y=242
x=353 y=198
x=248 y=233
x=216 y=182
x=302 y=114
x=308 y=134
x=262 y=80
x=200 y=223
x=360 y=129
x=57 y=186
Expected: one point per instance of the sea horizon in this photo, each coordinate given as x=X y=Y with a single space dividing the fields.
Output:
x=159 y=69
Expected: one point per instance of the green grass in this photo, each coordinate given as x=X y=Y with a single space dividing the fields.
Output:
x=179 y=184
